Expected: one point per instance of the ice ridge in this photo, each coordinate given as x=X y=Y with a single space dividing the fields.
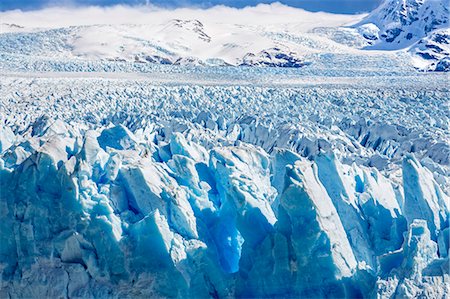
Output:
x=108 y=213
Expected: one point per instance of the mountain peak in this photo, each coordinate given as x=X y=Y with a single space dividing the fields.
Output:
x=419 y=26
x=403 y=22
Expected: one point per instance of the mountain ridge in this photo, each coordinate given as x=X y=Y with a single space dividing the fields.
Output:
x=419 y=26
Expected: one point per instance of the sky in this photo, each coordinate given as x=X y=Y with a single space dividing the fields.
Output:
x=333 y=6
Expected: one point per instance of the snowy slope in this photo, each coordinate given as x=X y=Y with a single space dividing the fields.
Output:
x=267 y=35
x=172 y=42
x=403 y=22
x=433 y=51
x=421 y=26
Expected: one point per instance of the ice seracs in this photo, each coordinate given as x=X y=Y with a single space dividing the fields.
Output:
x=145 y=160
x=415 y=269
x=175 y=218
x=423 y=199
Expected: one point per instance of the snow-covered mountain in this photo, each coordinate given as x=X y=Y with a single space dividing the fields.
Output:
x=433 y=51
x=421 y=26
x=172 y=42
x=272 y=35
x=414 y=26
x=403 y=22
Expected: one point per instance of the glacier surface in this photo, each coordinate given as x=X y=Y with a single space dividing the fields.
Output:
x=173 y=158
x=310 y=188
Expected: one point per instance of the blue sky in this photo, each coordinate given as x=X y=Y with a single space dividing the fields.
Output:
x=335 y=6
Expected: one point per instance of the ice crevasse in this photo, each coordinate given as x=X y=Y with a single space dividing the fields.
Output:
x=115 y=213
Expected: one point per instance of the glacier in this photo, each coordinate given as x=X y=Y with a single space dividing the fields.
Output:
x=172 y=158
x=214 y=191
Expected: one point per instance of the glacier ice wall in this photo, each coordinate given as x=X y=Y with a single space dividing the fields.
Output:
x=122 y=187
x=109 y=212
